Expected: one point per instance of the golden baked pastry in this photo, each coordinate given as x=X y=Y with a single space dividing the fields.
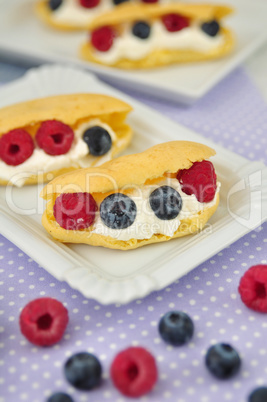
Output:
x=168 y=191
x=43 y=138
x=135 y=36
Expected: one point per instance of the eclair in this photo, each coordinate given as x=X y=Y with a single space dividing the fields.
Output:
x=72 y=15
x=135 y=36
x=42 y=138
x=166 y=192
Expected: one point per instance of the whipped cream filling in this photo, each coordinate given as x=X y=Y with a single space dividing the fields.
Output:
x=133 y=48
x=146 y=223
x=40 y=162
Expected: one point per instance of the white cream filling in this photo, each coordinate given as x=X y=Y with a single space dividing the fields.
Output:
x=133 y=48
x=72 y=13
x=40 y=162
x=146 y=223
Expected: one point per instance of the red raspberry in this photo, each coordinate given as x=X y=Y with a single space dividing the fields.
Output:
x=54 y=137
x=75 y=211
x=102 y=38
x=43 y=321
x=16 y=147
x=134 y=372
x=89 y=3
x=175 y=22
x=199 y=179
x=253 y=288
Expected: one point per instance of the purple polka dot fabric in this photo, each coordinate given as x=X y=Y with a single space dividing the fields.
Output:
x=234 y=115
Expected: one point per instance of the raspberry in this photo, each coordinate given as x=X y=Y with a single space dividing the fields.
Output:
x=54 y=137
x=102 y=38
x=175 y=22
x=43 y=321
x=75 y=211
x=199 y=179
x=16 y=147
x=89 y=3
x=253 y=288
x=134 y=371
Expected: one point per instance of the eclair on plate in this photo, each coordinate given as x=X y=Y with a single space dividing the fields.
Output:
x=168 y=191
x=149 y=35
x=43 y=138
x=76 y=14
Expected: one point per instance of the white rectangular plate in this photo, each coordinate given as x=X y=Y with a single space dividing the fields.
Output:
x=111 y=276
x=24 y=37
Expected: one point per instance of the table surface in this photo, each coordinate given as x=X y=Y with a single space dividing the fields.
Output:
x=208 y=294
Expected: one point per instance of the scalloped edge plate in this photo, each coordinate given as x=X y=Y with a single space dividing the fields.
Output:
x=112 y=276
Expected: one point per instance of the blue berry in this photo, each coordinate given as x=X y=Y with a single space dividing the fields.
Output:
x=176 y=328
x=83 y=371
x=117 y=2
x=60 y=397
x=141 y=29
x=118 y=211
x=54 y=4
x=211 y=28
x=258 y=395
x=222 y=360
x=98 y=140
x=165 y=202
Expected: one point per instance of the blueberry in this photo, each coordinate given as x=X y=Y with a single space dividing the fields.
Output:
x=222 y=360
x=118 y=211
x=60 y=397
x=176 y=328
x=258 y=395
x=117 y=2
x=211 y=28
x=166 y=202
x=54 y=4
x=98 y=140
x=83 y=371
x=141 y=29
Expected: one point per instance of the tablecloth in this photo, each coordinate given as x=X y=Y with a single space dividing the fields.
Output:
x=232 y=114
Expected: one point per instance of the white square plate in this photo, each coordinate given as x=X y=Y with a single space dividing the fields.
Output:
x=24 y=37
x=111 y=276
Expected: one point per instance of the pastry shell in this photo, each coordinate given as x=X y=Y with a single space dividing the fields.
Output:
x=72 y=110
x=129 y=171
